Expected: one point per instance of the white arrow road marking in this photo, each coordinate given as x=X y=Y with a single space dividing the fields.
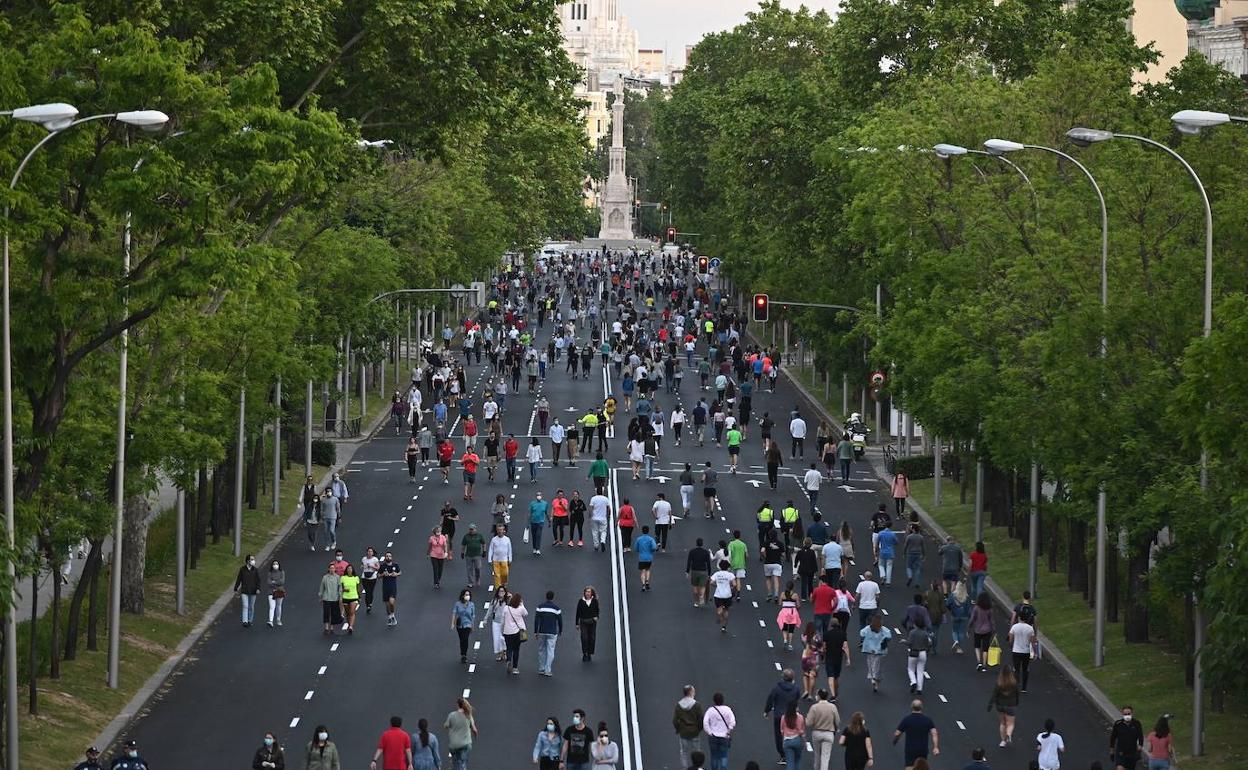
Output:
x=847 y=488
x=754 y=483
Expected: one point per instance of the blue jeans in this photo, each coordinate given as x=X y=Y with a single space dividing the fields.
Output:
x=249 y=607
x=649 y=466
x=719 y=752
x=535 y=535
x=331 y=531
x=546 y=652
x=1158 y=764
x=959 y=631
x=459 y=758
x=977 y=584
x=532 y=471
x=914 y=568
x=793 y=748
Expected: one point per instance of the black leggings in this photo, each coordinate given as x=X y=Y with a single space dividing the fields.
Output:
x=559 y=524
x=437 y=569
x=1022 y=662
x=660 y=534
x=370 y=587
x=589 y=637
x=577 y=529
x=464 y=633
x=626 y=535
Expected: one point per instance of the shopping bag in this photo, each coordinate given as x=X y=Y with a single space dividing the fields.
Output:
x=994 y=652
x=526 y=534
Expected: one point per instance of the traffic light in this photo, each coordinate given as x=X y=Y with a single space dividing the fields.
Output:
x=671 y=234
x=704 y=265
x=762 y=307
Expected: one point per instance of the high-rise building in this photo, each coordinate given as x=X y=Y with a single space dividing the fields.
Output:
x=599 y=41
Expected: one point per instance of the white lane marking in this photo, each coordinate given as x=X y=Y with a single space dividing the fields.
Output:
x=960 y=725
x=402 y=518
x=396 y=530
x=761 y=624
x=308 y=696
x=390 y=544
x=769 y=644
x=809 y=747
x=884 y=611
x=416 y=496
x=777 y=666
x=480 y=625
x=926 y=675
x=321 y=671
x=466 y=692
x=897 y=631
x=380 y=470
x=422 y=486
x=755 y=604
x=472 y=668
x=943 y=699
x=294 y=722
x=749 y=587
x=333 y=647
x=409 y=507
x=624 y=643
x=477 y=645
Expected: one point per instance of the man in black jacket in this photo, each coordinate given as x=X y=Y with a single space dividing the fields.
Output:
x=778 y=700
x=1126 y=738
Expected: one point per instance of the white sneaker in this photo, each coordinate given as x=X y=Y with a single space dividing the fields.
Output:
x=1001 y=745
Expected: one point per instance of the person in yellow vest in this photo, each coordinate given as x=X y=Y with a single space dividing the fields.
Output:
x=608 y=408
x=790 y=523
x=589 y=425
x=766 y=522
x=709 y=328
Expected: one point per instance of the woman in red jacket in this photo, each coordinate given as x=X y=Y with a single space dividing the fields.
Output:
x=628 y=520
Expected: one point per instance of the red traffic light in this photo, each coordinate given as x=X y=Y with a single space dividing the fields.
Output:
x=671 y=234
x=762 y=308
x=704 y=265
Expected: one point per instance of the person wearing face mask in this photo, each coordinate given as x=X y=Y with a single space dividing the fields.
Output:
x=270 y=755
x=339 y=488
x=463 y=615
x=548 y=746
x=129 y=758
x=277 y=592
x=1126 y=738
x=330 y=593
x=605 y=751
x=330 y=509
x=576 y=743
x=247 y=587
x=322 y=754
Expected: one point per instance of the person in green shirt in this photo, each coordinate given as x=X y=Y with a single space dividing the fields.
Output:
x=598 y=473
x=734 y=447
x=738 y=553
x=350 y=596
x=472 y=550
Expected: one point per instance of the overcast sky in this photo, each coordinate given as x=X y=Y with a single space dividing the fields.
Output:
x=673 y=24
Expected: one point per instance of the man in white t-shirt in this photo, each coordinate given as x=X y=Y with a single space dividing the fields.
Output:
x=599 y=512
x=1022 y=640
x=797 y=429
x=833 y=555
x=662 y=511
x=723 y=580
x=868 y=598
x=811 y=482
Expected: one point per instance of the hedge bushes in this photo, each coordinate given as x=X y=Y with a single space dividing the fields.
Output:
x=916 y=466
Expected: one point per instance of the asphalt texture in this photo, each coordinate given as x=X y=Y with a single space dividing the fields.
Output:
x=239 y=682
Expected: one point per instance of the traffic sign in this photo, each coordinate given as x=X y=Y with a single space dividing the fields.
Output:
x=716 y=262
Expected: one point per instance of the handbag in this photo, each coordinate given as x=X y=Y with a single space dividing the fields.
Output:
x=994 y=652
x=279 y=593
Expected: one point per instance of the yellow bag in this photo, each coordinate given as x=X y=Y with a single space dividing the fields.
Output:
x=994 y=652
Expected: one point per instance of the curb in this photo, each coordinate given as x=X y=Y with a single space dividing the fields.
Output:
x=1086 y=687
x=148 y=690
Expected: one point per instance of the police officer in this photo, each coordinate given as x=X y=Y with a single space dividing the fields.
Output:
x=129 y=758
x=92 y=762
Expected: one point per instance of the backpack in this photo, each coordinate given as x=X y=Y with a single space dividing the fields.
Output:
x=1026 y=613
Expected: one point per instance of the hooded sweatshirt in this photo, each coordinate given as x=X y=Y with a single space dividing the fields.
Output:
x=687 y=718
x=780 y=697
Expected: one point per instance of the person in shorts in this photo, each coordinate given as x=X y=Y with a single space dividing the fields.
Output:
x=698 y=568
x=389 y=572
x=709 y=479
x=738 y=554
x=723 y=580
x=645 y=546
x=446 y=451
x=470 y=460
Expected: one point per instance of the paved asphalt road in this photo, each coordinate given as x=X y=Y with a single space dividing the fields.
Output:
x=240 y=682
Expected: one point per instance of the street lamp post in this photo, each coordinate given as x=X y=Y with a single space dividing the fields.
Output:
x=1000 y=147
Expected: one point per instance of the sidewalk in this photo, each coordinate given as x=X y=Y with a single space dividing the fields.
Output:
x=1052 y=653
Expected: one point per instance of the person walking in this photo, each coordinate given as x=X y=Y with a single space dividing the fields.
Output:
x=426 y=753
x=605 y=752
x=1022 y=639
x=811 y=482
x=577 y=739
x=587 y=612
x=1126 y=739
x=439 y=551
x=793 y=736
x=539 y=517
x=782 y=695
x=935 y=602
x=960 y=606
x=915 y=549
x=687 y=721
x=773 y=458
x=823 y=721
x=461 y=732
x=885 y=553
x=533 y=456
x=724 y=582
x=247 y=588
x=412 y=456
x=982 y=627
x=698 y=570
x=797 y=430
x=350 y=596
x=718 y=722
x=1160 y=745
x=330 y=594
x=662 y=511
x=856 y=739
x=311 y=513
x=548 y=625
x=978 y=572
x=494 y=618
x=369 y=565
x=919 y=641
x=270 y=756
x=789 y=617
x=549 y=746
x=599 y=471
x=557 y=434
x=646 y=545
x=515 y=631
x=471 y=552
x=806 y=565
x=845 y=456
x=874 y=645
x=626 y=518
x=576 y=520
x=463 y=616
x=950 y=563
x=499 y=554
x=1004 y=699
x=470 y=461
x=390 y=572
x=394 y=748
x=710 y=477
x=901 y=490
x=918 y=728
x=1049 y=747
x=868 y=592
x=321 y=753
x=277 y=592
x=331 y=507
x=511 y=448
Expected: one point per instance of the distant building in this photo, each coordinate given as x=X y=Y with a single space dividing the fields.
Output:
x=1224 y=38
x=599 y=41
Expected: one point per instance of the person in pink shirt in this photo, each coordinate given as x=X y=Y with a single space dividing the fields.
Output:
x=439 y=554
x=628 y=522
x=793 y=736
x=901 y=490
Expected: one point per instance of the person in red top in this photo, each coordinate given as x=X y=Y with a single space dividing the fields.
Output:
x=559 y=513
x=628 y=521
x=446 y=453
x=979 y=570
x=394 y=749
x=824 y=598
x=470 y=460
x=511 y=448
x=470 y=433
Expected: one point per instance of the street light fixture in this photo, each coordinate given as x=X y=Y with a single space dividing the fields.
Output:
x=1000 y=147
x=1192 y=121
x=945 y=151
x=53 y=117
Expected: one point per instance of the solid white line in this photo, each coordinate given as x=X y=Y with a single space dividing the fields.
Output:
x=308 y=696
x=294 y=722
x=321 y=671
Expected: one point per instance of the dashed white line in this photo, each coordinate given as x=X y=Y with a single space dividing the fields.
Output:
x=409 y=507
x=321 y=671
x=472 y=668
x=396 y=530
x=294 y=722
x=777 y=665
x=943 y=699
x=308 y=696
x=390 y=544
x=467 y=691
x=770 y=644
x=762 y=624
x=402 y=518
x=333 y=647
x=926 y=675
x=960 y=725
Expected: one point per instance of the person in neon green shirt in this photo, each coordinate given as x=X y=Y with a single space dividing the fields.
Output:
x=350 y=596
x=789 y=522
x=766 y=521
x=738 y=553
x=734 y=447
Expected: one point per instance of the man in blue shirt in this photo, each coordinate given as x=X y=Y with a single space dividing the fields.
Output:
x=645 y=546
x=917 y=727
x=539 y=512
x=548 y=625
x=885 y=552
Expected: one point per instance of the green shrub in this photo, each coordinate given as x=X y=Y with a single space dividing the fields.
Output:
x=324 y=453
x=916 y=466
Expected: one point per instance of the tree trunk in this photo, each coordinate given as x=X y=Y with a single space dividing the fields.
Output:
x=203 y=511
x=997 y=495
x=93 y=602
x=74 y=616
x=1077 y=558
x=1111 y=578
x=134 y=553
x=32 y=668
x=964 y=477
x=54 y=645
x=221 y=497
x=255 y=472
x=1135 y=619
